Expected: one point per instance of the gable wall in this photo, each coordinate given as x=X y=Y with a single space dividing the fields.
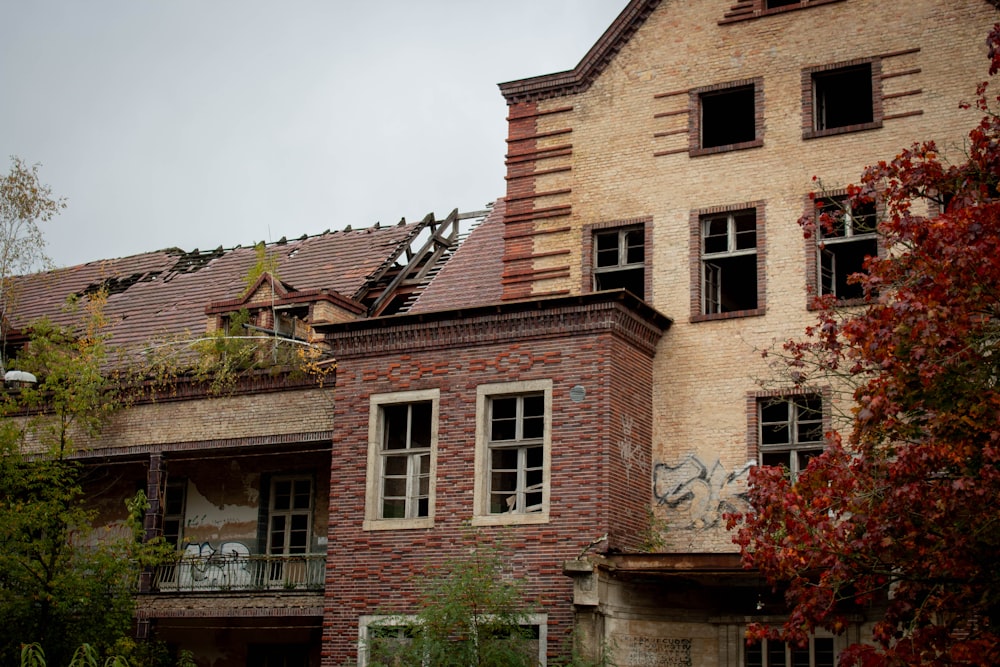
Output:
x=595 y=158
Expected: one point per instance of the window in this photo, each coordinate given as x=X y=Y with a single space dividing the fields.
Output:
x=402 y=459
x=173 y=512
x=729 y=262
x=842 y=98
x=289 y=516
x=619 y=260
x=513 y=435
x=843 y=245
x=385 y=640
x=774 y=4
x=790 y=431
x=727 y=117
x=772 y=653
x=381 y=639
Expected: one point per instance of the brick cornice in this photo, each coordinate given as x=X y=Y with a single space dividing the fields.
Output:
x=617 y=312
x=304 y=441
x=230 y=605
x=590 y=67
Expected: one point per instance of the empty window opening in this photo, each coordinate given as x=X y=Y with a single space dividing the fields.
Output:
x=729 y=262
x=843 y=97
x=790 y=431
x=619 y=260
x=405 y=460
x=774 y=653
x=728 y=117
x=173 y=512
x=846 y=237
x=774 y=4
x=516 y=454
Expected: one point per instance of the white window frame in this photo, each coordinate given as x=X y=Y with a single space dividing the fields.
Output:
x=764 y=662
x=826 y=278
x=793 y=445
x=379 y=620
x=484 y=394
x=290 y=513
x=622 y=265
x=373 y=505
x=410 y=620
x=711 y=273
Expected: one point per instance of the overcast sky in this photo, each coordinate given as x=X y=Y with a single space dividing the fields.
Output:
x=200 y=123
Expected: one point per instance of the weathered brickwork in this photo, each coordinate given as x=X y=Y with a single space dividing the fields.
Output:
x=627 y=136
x=601 y=410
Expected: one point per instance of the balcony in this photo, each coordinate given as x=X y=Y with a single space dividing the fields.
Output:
x=240 y=572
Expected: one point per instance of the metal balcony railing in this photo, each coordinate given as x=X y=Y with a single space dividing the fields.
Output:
x=240 y=572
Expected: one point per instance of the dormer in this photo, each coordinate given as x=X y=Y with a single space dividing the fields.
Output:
x=276 y=308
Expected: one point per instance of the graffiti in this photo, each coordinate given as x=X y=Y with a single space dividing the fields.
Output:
x=626 y=447
x=204 y=566
x=704 y=494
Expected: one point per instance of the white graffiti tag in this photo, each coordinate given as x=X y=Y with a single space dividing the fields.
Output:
x=204 y=566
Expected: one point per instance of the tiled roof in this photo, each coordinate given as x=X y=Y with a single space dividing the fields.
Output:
x=163 y=294
x=472 y=276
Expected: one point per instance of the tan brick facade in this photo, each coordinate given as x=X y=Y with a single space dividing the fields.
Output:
x=620 y=148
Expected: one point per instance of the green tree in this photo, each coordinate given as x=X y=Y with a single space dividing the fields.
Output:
x=24 y=202
x=61 y=583
x=471 y=613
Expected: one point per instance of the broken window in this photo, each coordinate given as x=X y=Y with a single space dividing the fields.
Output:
x=727 y=117
x=774 y=4
x=402 y=440
x=845 y=237
x=774 y=653
x=842 y=98
x=620 y=260
x=516 y=461
x=513 y=451
x=729 y=262
x=405 y=460
x=790 y=431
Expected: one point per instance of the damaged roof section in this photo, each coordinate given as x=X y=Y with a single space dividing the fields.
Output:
x=171 y=294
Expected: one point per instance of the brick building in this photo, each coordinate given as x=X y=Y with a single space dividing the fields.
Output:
x=586 y=357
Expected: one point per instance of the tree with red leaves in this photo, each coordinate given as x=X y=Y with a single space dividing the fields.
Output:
x=901 y=517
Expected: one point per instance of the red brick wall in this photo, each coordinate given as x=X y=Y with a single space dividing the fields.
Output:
x=372 y=572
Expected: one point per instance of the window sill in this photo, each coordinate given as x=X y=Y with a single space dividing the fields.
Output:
x=846 y=129
x=696 y=152
x=842 y=303
x=510 y=519
x=731 y=315
x=397 y=524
